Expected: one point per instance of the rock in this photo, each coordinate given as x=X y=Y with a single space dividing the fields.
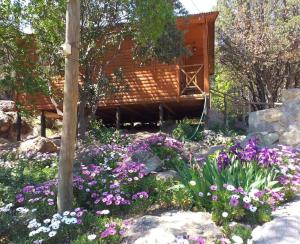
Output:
x=213 y=149
x=5 y=122
x=289 y=95
x=38 y=144
x=291 y=112
x=264 y=120
x=283 y=229
x=291 y=137
x=166 y=175
x=165 y=228
x=3 y=142
x=7 y=105
x=215 y=118
x=151 y=161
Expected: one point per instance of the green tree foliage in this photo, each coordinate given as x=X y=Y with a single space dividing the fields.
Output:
x=18 y=70
x=258 y=47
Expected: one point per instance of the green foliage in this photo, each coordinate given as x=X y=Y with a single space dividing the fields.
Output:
x=105 y=135
x=186 y=131
x=249 y=176
x=240 y=230
x=19 y=71
x=24 y=171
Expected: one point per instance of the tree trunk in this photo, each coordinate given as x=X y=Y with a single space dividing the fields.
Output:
x=65 y=172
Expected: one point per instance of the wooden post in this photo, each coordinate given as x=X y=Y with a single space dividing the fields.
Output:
x=19 y=126
x=225 y=112
x=68 y=139
x=161 y=116
x=118 y=118
x=205 y=57
x=43 y=124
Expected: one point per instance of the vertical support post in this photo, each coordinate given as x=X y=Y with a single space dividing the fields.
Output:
x=118 y=118
x=68 y=138
x=19 y=126
x=225 y=112
x=161 y=116
x=43 y=124
x=205 y=57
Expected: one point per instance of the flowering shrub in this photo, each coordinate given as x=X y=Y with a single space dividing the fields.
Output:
x=238 y=183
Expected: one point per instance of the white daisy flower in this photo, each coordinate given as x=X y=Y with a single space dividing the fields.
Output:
x=47 y=221
x=73 y=220
x=252 y=208
x=52 y=233
x=247 y=199
x=237 y=240
x=192 y=183
x=230 y=187
x=224 y=214
x=92 y=237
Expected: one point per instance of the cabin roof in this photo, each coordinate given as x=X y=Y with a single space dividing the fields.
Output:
x=199 y=18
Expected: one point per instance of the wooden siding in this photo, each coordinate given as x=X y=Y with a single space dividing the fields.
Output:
x=154 y=83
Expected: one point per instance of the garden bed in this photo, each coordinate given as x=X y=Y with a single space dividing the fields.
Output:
x=114 y=186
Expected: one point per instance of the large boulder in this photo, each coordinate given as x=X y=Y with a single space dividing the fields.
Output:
x=7 y=105
x=165 y=228
x=38 y=144
x=289 y=95
x=166 y=175
x=5 y=123
x=291 y=112
x=291 y=137
x=265 y=120
x=151 y=161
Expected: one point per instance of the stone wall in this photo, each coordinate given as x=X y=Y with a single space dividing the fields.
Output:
x=278 y=125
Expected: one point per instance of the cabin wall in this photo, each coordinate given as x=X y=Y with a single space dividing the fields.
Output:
x=146 y=84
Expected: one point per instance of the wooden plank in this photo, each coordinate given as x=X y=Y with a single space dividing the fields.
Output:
x=205 y=58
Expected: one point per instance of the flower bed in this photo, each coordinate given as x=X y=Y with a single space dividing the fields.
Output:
x=237 y=184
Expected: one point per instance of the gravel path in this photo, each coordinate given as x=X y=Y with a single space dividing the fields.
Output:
x=283 y=229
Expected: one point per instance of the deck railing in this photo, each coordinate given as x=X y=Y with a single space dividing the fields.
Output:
x=191 y=79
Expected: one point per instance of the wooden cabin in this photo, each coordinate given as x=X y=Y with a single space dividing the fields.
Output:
x=157 y=90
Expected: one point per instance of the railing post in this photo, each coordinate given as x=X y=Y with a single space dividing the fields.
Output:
x=161 y=116
x=179 y=82
x=118 y=118
x=19 y=126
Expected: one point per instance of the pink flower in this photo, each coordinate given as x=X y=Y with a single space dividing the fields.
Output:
x=213 y=187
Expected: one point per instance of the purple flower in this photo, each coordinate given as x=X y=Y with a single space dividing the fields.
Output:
x=233 y=201
x=267 y=157
x=250 y=151
x=223 y=161
x=214 y=197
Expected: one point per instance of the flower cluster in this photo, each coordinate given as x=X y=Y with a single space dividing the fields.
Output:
x=6 y=208
x=50 y=226
x=157 y=139
x=111 y=229
x=105 y=184
x=140 y=195
x=36 y=193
